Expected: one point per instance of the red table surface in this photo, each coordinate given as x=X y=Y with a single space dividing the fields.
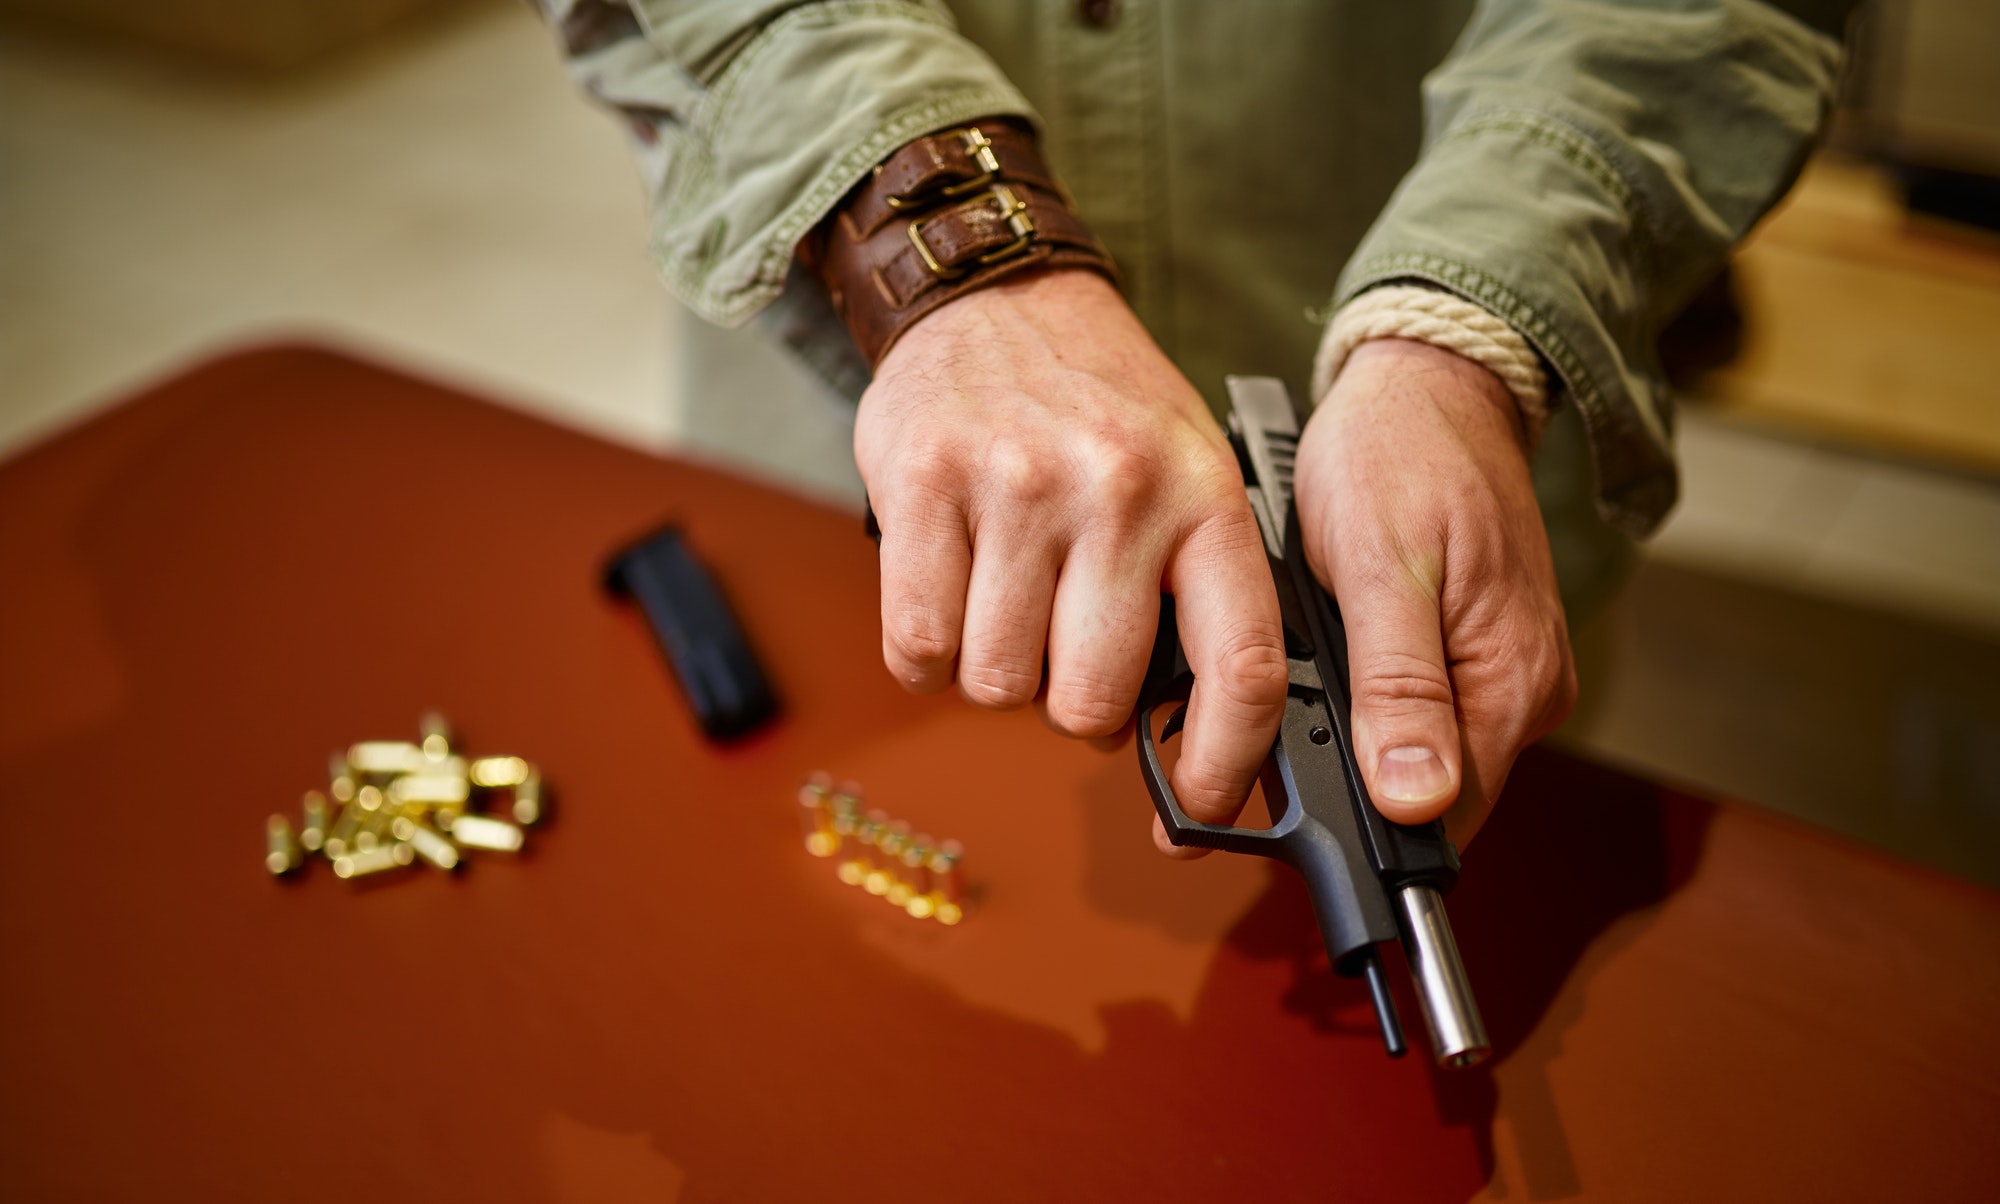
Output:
x=207 y=589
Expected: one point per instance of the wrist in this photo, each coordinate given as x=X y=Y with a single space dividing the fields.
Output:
x=1468 y=395
x=947 y=215
x=1036 y=300
x=1445 y=321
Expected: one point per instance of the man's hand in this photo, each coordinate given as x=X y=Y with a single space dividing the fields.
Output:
x=1041 y=472
x=1418 y=512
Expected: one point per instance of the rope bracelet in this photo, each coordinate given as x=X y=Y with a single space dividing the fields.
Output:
x=1441 y=319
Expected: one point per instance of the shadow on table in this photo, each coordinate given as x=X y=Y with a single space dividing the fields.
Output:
x=1576 y=848
x=609 y=1023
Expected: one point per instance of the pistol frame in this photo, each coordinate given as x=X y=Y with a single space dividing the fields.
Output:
x=1371 y=881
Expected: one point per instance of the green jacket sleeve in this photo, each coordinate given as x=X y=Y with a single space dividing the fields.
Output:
x=753 y=117
x=1587 y=165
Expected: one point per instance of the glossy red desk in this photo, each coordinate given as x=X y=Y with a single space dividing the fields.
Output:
x=208 y=588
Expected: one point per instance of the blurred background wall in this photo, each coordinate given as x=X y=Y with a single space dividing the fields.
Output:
x=1817 y=630
x=252 y=34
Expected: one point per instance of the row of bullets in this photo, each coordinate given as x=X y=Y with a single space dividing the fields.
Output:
x=391 y=802
x=883 y=856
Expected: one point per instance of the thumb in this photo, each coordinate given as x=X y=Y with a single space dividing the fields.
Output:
x=1405 y=724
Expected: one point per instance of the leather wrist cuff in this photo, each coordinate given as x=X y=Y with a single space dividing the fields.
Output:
x=948 y=213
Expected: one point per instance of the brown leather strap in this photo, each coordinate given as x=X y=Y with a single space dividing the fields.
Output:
x=939 y=168
x=946 y=214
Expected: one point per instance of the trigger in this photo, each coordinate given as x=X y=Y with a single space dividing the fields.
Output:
x=1175 y=722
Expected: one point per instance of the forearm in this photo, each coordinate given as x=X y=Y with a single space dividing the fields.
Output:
x=1587 y=166
x=752 y=120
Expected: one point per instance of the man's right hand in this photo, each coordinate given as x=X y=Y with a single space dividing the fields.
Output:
x=1041 y=473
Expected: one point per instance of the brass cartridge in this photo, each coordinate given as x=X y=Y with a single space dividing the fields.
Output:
x=381 y=758
x=374 y=829
x=913 y=878
x=436 y=736
x=947 y=867
x=340 y=779
x=875 y=880
x=441 y=815
x=425 y=840
x=485 y=832
x=430 y=789
x=312 y=821
x=281 y=848
x=816 y=820
x=848 y=827
x=528 y=798
x=489 y=773
x=947 y=870
x=340 y=837
x=374 y=861
x=893 y=844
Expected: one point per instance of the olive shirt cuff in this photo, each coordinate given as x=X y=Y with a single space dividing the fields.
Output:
x=752 y=120
x=1540 y=243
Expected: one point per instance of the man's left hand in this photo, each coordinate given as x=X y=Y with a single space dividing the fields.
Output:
x=1418 y=512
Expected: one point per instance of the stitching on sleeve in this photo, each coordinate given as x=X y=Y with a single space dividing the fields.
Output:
x=691 y=280
x=826 y=14
x=1577 y=147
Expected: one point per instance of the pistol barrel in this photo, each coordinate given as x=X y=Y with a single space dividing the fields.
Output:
x=1457 y=1033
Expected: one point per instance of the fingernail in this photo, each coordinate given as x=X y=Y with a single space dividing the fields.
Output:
x=1411 y=774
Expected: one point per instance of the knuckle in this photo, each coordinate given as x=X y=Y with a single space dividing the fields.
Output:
x=1228 y=531
x=1556 y=674
x=1207 y=792
x=1122 y=480
x=1251 y=664
x=1539 y=663
x=1086 y=711
x=997 y=686
x=1553 y=672
x=920 y=637
x=1390 y=683
x=926 y=462
x=1018 y=475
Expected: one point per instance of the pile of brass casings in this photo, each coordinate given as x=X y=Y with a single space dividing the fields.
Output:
x=391 y=803
x=924 y=877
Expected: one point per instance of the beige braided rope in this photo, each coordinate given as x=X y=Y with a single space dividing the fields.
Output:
x=1441 y=319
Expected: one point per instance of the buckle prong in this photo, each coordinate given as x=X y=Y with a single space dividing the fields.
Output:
x=1013 y=211
x=980 y=148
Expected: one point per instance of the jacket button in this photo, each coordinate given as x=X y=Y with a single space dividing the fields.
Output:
x=1097 y=14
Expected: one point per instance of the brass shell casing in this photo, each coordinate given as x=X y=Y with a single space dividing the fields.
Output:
x=374 y=861
x=281 y=848
x=313 y=819
x=486 y=832
x=816 y=821
x=426 y=841
x=528 y=798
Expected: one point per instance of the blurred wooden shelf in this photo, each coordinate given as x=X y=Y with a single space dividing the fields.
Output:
x=1868 y=325
x=248 y=34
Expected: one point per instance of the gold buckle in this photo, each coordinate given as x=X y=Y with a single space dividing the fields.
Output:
x=1013 y=211
x=977 y=145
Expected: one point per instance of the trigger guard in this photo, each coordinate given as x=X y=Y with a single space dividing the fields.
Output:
x=1181 y=830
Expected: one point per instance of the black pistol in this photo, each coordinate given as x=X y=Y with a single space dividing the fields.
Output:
x=1371 y=880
